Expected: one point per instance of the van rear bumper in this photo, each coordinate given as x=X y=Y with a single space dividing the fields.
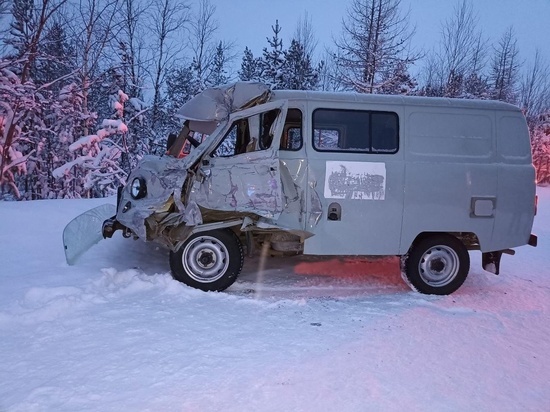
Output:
x=491 y=260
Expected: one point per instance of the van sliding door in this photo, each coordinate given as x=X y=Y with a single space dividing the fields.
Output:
x=356 y=174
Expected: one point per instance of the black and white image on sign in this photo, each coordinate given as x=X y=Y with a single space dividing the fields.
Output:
x=355 y=180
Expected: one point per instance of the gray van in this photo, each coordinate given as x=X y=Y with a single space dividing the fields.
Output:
x=318 y=173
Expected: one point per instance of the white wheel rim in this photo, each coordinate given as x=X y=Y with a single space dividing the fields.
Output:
x=439 y=266
x=205 y=259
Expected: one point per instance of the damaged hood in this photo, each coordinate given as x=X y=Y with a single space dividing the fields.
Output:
x=214 y=105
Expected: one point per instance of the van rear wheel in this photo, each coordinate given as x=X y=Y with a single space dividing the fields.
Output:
x=436 y=265
x=210 y=261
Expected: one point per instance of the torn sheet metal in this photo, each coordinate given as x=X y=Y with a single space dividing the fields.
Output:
x=250 y=186
x=248 y=182
x=316 y=207
x=218 y=103
x=291 y=191
x=272 y=225
x=162 y=175
x=245 y=184
x=294 y=184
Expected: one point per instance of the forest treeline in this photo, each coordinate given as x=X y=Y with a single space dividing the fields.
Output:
x=89 y=87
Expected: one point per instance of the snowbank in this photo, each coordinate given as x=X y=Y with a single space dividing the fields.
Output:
x=116 y=332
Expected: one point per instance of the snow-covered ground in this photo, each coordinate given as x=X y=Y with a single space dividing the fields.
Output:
x=116 y=333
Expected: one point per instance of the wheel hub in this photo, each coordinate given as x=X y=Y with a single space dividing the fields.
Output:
x=437 y=265
x=206 y=258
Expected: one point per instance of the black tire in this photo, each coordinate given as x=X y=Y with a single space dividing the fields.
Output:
x=210 y=261
x=436 y=265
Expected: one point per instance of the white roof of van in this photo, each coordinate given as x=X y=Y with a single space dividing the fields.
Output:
x=391 y=99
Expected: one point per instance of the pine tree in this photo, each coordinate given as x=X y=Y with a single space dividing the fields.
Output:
x=27 y=29
x=476 y=86
x=181 y=85
x=218 y=70
x=375 y=38
x=22 y=27
x=273 y=59
x=56 y=58
x=505 y=68
x=249 y=67
x=297 y=72
x=397 y=80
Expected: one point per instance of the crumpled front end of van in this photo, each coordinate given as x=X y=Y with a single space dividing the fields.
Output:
x=153 y=200
x=155 y=204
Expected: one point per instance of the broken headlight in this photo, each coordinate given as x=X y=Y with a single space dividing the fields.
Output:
x=138 y=188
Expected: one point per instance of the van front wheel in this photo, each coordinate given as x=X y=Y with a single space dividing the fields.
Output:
x=210 y=261
x=436 y=265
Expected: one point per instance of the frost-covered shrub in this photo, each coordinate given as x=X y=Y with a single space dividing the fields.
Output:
x=540 y=143
x=20 y=123
x=98 y=156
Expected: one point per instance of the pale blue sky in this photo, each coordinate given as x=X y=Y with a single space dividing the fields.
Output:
x=248 y=22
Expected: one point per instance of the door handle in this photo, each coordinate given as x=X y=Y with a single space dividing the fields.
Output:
x=203 y=174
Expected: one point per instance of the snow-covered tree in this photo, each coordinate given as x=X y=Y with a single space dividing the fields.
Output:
x=62 y=121
x=329 y=80
x=218 y=74
x=167 y=24
x=91 y=26
x=297 y=72
x=21 y=27
x=272 y=60
x=20 y=113
x=29 y=22
x=305 y=34
x=535 y=90
x=375 y=41
x=505 y=68
x=460 y=56
x=100 y=155
x=250 y=67
x=24 y=101
x=397 y=80
x=132 y=45
x=476 y=86
x=56 y=58
x=540 y=143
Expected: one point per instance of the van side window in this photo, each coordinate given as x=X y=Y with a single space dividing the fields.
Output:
x=355 y=131
x=292 y=134
x=235 y=141
x=248 y=135
x=266 y=125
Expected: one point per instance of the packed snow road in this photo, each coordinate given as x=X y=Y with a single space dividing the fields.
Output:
x=116 y=332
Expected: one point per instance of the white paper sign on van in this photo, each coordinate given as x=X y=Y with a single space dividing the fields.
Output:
x=355 y=180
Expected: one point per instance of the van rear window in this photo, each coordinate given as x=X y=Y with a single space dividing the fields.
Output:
x=355 y=131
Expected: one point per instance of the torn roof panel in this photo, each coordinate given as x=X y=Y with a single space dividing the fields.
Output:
x=217 y=103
